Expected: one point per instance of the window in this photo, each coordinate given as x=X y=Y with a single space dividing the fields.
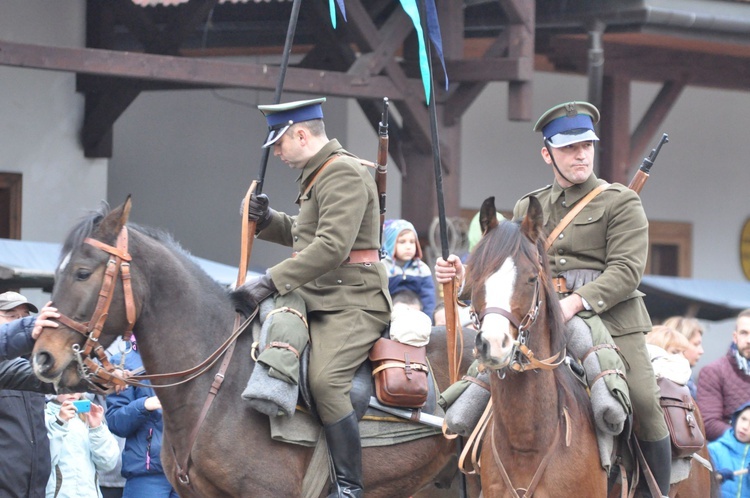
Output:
x=670 y=249
x=10 y=205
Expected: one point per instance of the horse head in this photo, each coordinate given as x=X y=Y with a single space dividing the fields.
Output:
x=506 y=273
x=93 y=294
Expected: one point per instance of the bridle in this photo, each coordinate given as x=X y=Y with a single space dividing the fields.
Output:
x=523 y=358
x=99 y=377
x=102 y=378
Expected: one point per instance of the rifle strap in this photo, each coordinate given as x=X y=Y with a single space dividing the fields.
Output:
x=572 y=214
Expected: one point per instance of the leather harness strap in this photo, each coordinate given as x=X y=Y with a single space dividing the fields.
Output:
x=573 y=213
x=560 y=285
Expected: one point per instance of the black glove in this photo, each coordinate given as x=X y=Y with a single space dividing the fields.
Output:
x=257 y=290
x=726 y=474
x=259 y=211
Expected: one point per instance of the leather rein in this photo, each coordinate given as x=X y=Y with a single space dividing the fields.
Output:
x=102 y=377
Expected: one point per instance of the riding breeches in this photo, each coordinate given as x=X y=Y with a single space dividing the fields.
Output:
x=644 y=393
x=339 y=344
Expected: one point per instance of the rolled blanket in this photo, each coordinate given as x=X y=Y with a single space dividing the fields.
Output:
x=609 y=394
x=272 y=389
x=464 y=414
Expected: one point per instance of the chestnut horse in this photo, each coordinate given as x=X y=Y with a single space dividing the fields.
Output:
x=180 y=316
x=540 y=439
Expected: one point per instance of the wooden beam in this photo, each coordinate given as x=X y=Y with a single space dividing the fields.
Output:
x=654 y=117
x=416 y=120
x=614 y=130
x=101 y=112
x=201 y=72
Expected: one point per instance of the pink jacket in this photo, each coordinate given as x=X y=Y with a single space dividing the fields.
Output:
x=722 y=387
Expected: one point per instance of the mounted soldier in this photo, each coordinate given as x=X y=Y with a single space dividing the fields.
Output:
x=597 y=256
x=335 y=268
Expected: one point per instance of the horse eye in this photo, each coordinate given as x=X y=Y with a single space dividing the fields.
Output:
x=82 y=274
x=533 y=279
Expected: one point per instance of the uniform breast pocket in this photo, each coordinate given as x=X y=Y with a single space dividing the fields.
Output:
x=589 y=231
x=341 y=277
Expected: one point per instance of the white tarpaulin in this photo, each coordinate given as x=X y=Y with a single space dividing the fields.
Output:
x=27 y=264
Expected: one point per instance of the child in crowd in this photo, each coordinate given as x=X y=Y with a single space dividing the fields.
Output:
x=80 y=447
x=666 y=347
x=731 y=452
x=403 y=261
x=135 y=414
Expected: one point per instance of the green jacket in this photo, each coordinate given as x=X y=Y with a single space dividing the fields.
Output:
x=609 y=235
x=339 y=214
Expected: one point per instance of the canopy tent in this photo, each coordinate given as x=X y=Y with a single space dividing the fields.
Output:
x=704 y=299
x=27 y=264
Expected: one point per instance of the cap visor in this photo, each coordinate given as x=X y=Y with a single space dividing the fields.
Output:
x=563 y=139
x=274 y=136
x=11 y=305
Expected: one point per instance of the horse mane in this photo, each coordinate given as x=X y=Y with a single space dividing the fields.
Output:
x=87 y=225
x=489 y=254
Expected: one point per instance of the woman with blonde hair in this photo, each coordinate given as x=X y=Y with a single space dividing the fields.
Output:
x=692 y=329
x=666 y=348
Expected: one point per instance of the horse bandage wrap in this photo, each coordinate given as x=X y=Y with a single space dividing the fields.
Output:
x=590 y=342
x=272 y=388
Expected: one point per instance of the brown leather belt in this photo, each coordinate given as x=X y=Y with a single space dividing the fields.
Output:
x=358 y=256
x=560 y=285
x=363 y=256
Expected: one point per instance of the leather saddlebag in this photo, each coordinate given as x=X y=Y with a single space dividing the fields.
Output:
x=400 y=373
x=679 y=413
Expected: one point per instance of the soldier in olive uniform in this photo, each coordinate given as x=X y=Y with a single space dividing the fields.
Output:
x=335 y=268
x=597 y=261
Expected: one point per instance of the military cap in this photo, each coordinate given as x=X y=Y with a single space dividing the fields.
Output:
x=568 y=123
x=281 y=116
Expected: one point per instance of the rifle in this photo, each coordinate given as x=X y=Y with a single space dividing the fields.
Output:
x=381 y=170
x=640 y=177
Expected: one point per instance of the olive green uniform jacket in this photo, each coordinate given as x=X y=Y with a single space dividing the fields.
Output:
x=610 y=235
x=348 y=305
x=339 y=214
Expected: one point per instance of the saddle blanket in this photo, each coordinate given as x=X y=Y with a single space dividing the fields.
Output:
x=375 y=429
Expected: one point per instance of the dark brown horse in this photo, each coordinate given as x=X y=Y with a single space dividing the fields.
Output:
x=541 y=437
x=180 y=317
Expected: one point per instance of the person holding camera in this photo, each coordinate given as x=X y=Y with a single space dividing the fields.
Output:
x=80 y=446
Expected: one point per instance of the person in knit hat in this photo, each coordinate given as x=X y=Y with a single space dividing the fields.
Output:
x=731 y=453
x=403 y=262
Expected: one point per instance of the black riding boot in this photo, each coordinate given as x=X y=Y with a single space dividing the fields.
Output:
x=345 y=449
x=658 y=455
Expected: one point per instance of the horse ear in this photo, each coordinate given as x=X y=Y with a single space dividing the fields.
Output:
x=531 y=226
x=111 y=225
x=488 y=215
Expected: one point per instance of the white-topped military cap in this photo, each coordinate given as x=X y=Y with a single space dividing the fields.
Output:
x=281 y=116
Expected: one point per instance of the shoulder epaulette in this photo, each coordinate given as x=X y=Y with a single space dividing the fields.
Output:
x=534 y=192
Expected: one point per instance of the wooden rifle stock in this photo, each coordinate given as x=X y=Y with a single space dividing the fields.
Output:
x=382 y=162
x=641 y=176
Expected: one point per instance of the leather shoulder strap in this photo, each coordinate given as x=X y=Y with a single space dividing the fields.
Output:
x=317 y=174
x=573 y=213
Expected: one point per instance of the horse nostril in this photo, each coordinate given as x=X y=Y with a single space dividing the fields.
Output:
x=482 y=346
x=506 y=341
x=42 y=361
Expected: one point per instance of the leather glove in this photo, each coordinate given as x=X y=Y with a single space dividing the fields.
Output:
x=258 y=211
x=257 y=290
x=726 y=474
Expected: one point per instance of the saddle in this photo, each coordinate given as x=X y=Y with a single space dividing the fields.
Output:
x=279 y=385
